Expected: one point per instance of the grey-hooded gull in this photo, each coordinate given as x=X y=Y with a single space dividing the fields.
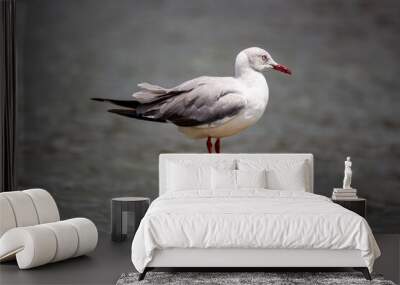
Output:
x=208 y=107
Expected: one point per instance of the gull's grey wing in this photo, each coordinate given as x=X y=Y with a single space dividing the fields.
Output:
x=201 y=101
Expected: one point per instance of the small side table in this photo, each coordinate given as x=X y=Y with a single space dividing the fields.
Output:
x=126 y=214
x=358 y=206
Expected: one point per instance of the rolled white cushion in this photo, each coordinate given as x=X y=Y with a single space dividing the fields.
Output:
x=87 y=233
x=37 y=245
x=45 y=205
x=67 y=240
x=33 y=246
x=7 y=219
x=23 y=208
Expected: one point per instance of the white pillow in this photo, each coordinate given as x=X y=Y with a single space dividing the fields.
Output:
x=223 y=179
x=293 y=179
x=231 y=180
x=281 y=174
x=251 y=178
x=185 y=178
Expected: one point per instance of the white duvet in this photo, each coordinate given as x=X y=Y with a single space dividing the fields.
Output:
x=250 y=219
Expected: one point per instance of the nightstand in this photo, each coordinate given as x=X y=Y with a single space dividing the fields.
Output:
x=126 y=214
x=358 y=206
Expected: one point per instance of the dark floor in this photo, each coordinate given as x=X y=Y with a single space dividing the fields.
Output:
x=110 y=260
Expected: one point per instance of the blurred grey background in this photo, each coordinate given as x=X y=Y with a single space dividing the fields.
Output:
x=343 y=98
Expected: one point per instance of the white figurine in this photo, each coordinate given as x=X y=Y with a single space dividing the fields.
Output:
x=347 y=174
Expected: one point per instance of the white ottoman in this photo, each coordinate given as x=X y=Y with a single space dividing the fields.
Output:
x=31 y=232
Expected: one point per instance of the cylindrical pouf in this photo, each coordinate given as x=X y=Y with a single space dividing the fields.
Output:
x=126 y=214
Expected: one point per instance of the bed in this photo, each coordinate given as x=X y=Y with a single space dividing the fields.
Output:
x=246 y=211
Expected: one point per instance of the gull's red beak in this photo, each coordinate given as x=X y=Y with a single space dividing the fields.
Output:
x=282 y=68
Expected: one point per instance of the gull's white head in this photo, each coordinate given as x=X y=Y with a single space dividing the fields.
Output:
x=258 y=60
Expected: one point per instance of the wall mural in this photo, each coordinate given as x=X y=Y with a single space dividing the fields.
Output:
x=341 y=100
x=208 y=107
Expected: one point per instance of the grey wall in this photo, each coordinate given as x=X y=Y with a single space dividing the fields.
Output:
x=343 y=98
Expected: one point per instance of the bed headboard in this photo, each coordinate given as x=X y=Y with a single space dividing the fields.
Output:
x=164 y=158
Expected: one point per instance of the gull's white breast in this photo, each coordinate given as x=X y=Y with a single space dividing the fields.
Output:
x=256 y=95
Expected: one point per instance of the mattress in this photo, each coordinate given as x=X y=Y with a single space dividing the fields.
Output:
x=252 y=219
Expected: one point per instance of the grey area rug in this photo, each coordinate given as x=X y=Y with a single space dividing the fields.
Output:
x=273 y=278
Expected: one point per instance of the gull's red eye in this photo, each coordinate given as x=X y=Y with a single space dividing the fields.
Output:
x=264 y=58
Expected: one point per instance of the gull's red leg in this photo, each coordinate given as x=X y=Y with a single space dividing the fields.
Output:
x=209 y=145
x=218 y=145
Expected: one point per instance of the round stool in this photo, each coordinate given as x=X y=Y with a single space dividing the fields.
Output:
x=126 y=214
